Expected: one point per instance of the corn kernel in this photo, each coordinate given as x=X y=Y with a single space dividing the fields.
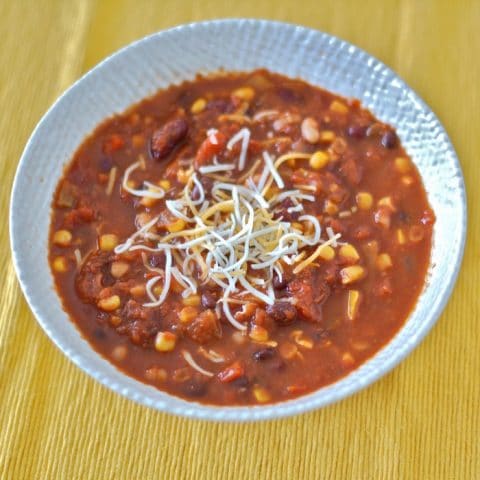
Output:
x=297 y=226
x=239 y=338
x=330 y=207
x=184 y=175
x=165 y=341
x=148 y=201
x=349 y=252
x=156 y=374
x=157 y=290
x=352 y=274
x=347 y=359
x=244 y=93
x=271 y=192
x=402 y=164
x=415 y=233
x=115 y=320
x=291 y=162
x=63 y=238
x=261 y=394
x=109 y=304
x=138 y=140
x=319 y=159
x=165 y=184
x=401 y=239
x=339 y=107
x=258 y=334
x=327 y=253
x=300 y=339
x=407 y=180
x=288 y=350
x=118 y=269
x=198 y=106
x=60 y=264
x=108 y=242
x=364 y=200
x=327 y=136
x=191 y=301
x=137 y=291
x=384 y=261
x=119 y=353
x=353 y=303
x=187 y=314
x=387 y=202
x=176 y=226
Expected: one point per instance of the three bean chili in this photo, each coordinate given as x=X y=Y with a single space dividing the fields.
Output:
x=240 y=239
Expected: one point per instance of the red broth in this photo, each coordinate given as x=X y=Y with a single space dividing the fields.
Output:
x=240 y=239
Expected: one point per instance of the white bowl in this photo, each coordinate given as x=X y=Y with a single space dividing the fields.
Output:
x=174 y=55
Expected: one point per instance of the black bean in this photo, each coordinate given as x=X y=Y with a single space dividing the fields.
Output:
x=357 y=131
x=389 y=139
x=241 y=382
x=209 y=300
x=105 y=164
x=289 y=95
x=403 y=216
x=194 y=388
x=264 y=354
x=157 y=261
x=99 y=334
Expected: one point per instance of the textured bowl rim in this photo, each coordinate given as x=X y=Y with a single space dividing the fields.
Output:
x=238 y=413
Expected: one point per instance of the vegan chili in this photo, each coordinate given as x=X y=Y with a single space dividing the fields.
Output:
x=242 y=238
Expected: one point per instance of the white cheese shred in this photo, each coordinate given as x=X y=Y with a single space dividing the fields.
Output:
x=189 y=359
x=232 y=237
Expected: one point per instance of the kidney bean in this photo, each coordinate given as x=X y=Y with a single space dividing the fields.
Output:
x=279 y=284
x=166 y=138
x=357 y=131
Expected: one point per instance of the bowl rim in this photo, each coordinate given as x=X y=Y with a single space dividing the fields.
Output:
x=249 y=413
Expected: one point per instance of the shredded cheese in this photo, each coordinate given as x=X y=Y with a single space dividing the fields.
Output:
x=234 y=237
x=189 y=359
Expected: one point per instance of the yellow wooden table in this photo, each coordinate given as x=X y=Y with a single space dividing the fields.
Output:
x=419 y=422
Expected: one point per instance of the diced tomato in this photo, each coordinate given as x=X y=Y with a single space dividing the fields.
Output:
x=208 y=149
x=79 y=215
x=231 y=373
x=296 y=389
x=113 y=143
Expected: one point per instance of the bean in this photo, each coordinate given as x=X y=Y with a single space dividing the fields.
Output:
x=283 y=313
x=357 y=131
x=389 y=139
x=279 y=284
x=241 y=382
x=166 y=138
x=310 y=130
x=264 y=354
x=194 y=388
x=209 y=300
